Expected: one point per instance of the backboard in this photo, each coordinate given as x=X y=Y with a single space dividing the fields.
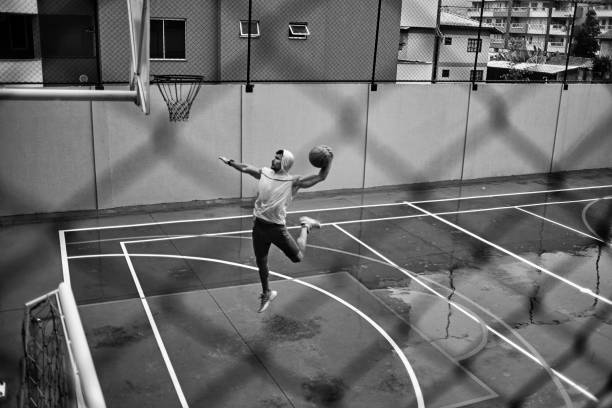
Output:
x=139 y=19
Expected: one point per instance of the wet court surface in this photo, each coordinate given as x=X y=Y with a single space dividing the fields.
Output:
x=481 y=295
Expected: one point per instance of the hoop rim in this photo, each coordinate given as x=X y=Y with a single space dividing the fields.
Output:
x=177 y=78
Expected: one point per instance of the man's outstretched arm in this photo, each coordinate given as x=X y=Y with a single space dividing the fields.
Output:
x=242 y=167
x=309 y=181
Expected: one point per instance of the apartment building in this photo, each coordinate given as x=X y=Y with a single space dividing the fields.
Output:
x=458 y=47
x=604 y=16
x=65 y=42
x=538 y=25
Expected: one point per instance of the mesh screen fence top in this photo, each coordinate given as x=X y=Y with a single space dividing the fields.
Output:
x=86 y=42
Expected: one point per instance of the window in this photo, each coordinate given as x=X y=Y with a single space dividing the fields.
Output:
x=445 y=73
x=254 y=28
x=298 y=31
x=167 y=39
x=448 y=40
x=67 y=36
x=474 y=45
x=478 y=76
x=16 y=36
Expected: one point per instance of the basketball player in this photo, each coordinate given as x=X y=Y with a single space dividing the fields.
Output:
x=275 y=190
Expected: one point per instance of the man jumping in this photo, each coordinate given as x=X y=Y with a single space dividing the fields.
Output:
x=275 y=190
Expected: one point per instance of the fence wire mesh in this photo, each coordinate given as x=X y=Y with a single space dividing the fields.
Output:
x=87 y=42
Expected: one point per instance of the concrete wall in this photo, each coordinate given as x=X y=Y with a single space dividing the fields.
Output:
x=584 y=137
x=62 y=156
x=415 y=133
x=147 y=160
x=298 y=117
x=46 y=159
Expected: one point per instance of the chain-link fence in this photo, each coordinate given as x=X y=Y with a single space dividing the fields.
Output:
x=87 y=42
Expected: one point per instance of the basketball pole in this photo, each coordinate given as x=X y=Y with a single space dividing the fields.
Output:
x=47 y=94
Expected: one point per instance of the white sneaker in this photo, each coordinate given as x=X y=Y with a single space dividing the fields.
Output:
x=309 y=223
x=266 y=298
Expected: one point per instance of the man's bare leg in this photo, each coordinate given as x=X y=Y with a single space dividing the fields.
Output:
x=307 y=224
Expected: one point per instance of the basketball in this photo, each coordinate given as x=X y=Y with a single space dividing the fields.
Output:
x=319 y=155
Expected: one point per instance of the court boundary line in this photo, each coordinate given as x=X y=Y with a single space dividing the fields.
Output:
x=339 y=208
x=154 y=238
x=376 y=326
x=156 y=333
x=65 y=257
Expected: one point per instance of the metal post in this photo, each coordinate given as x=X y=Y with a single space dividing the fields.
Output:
x=249 y=86
x=374 y=86
x=437 y=39
x=99 y=85
x=569 y=45
x=478 y=46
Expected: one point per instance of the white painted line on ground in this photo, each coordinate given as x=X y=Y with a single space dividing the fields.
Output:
x=512 y=254
x=539 y=359
x=514 y=194
x=338 y=208
x=158 y=339
x=559 y=224
x=417 y=279
x=587 y=224
x=381 y=331
x=154 y=238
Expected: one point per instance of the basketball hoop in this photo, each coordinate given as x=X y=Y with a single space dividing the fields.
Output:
x=179 y=92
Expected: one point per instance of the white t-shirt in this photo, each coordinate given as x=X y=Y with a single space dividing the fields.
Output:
x=275 y=192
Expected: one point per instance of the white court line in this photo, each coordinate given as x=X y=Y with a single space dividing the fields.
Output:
x=539 y=359
x=339 y=208
x=587 y=224
x=513 y=194
x=512 y=254
x=417 y=279
x=560 y=225
x=160 y=342
x=153 y=238
x=381 y=331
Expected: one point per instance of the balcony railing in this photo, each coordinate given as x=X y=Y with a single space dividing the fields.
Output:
x=500 y=12
x=518 y=28
x=536 y=28
x=558 y=29
x=565 y=12
x=520 y=11
x=538 y=12
x=475 y=12
x=603 y=12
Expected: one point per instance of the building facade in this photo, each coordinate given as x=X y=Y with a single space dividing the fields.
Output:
x=536 y=25
x=458 y=48
x=88 y=41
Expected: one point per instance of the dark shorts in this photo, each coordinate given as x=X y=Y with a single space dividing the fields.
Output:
x=266 y=233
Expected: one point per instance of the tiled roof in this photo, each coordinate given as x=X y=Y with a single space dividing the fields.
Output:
x=454 y=20
x=450 y=19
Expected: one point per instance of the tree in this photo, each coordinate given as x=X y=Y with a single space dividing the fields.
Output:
x=585 y=39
